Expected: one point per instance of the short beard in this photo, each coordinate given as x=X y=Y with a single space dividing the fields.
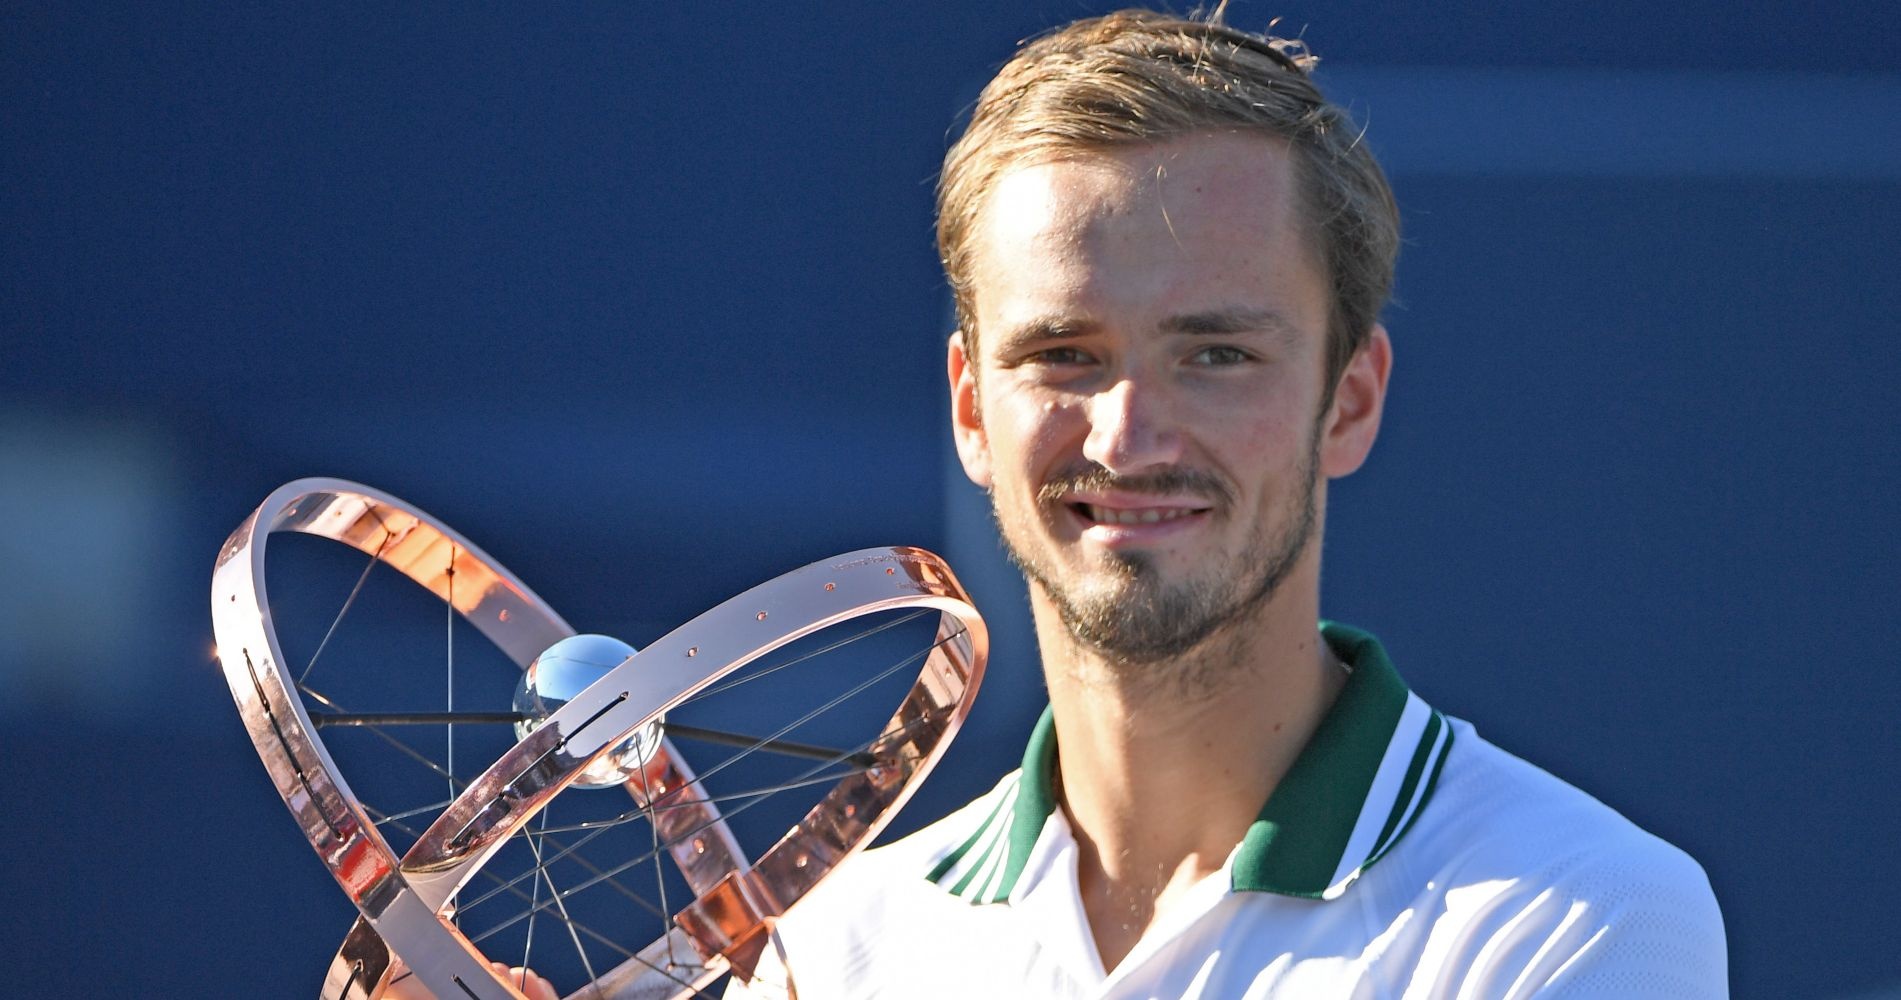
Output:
x=1138 y=621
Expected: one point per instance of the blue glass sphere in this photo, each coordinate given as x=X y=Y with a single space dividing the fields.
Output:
x=564 y=670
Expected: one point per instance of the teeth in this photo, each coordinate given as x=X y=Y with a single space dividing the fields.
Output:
x=1150 y=515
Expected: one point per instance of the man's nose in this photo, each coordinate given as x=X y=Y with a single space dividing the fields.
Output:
x=1130 y=429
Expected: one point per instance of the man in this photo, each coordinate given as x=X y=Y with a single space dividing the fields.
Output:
x=1168 y=254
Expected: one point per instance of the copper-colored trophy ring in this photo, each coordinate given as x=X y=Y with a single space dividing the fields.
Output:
x=401 y=901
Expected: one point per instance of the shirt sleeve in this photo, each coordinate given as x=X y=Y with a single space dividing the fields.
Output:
x=1651 y=929
x=1631 y=923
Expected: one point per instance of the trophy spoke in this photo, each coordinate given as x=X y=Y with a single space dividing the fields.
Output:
x=533 y=876
x=592 y=829
x=860 y=688
x=647 y=799
x=375 y=557
x=568 y=922
x=427 y=807
x=376 y=730
x=570 y=853
x=746 y=799
x=821 y=651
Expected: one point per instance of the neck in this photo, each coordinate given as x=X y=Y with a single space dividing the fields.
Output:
x=1162 y=775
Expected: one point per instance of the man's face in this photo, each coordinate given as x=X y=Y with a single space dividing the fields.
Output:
x=1145 y=406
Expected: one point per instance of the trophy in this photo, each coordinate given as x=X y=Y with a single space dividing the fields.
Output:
x=586 y=790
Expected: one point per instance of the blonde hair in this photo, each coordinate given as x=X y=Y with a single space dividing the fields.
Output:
x=1137 y=77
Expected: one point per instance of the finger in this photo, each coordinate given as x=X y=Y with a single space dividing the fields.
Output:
x=530 y=983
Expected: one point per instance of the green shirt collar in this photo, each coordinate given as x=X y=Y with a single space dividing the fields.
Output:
x=1353 y=792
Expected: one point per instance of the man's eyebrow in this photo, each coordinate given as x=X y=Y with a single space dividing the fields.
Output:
x=1211 y=322
x=1043 y=328
x=1219 y=322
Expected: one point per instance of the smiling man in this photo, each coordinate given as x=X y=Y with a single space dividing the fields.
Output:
x=1169 y=253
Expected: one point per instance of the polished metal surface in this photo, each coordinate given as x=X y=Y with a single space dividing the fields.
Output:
x=404 y=902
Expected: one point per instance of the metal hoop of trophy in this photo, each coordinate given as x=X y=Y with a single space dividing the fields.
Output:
x=589 y=712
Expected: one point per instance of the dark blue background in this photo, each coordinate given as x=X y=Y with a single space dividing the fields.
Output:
x=644 y=301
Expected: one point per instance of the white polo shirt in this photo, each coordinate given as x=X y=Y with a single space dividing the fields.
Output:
x=1402 y=856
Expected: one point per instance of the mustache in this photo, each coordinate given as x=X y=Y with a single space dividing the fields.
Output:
x=1165 y=482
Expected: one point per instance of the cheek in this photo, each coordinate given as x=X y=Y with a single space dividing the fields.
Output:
x=1029 y=436
x=1251 y=442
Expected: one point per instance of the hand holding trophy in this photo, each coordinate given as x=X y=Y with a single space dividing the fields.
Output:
x=533 y=841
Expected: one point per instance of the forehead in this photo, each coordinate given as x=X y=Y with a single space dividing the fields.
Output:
x=1209 y=220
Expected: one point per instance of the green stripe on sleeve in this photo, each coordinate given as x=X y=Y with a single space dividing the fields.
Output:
x=1402 y=803
x=950 y=860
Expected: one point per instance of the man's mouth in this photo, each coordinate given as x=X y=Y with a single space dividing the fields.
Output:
x=1129 y=510
x=1133 y=515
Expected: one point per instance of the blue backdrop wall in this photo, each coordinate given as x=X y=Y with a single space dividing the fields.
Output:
x=643 y=299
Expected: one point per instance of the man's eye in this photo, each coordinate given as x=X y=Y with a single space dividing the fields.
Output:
x=1221 y=356
x=1058 y=356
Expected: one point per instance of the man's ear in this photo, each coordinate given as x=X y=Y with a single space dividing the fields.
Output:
x=973 y=447
x=1353 y=421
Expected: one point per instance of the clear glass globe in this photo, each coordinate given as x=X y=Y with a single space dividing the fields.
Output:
x=564 y=670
